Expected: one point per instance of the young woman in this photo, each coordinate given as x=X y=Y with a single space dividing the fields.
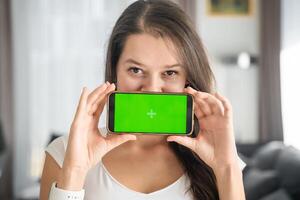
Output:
x=153 y=47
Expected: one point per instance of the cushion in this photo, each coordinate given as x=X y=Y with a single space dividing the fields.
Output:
x=266 y=156
x=288 y=168
x=259 y=183
x=280 y=194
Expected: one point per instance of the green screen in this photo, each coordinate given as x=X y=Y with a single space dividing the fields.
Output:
x=150 y=113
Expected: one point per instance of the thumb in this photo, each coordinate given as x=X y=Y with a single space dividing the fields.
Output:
x=183 y=140
x=116 y=140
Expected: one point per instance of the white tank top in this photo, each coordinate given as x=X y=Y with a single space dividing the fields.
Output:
x=101 y=185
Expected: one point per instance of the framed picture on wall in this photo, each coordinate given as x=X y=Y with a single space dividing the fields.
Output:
x=229 y=7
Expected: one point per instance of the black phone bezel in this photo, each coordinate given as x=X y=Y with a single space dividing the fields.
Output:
x=111 y=112
x=189 y=115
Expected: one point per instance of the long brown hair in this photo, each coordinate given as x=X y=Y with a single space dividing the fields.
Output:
x=165 y=19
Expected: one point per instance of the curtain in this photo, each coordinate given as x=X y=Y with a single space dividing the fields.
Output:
x=270 y=93
x=6 y=101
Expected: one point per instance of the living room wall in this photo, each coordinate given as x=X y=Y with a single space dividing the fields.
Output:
x=225 y=37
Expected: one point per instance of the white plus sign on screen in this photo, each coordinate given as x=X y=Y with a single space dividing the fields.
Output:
x=151 y=114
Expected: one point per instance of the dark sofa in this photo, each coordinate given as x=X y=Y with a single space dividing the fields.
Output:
x=272 y=171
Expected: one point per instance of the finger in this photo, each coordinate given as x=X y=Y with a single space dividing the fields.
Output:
x=81 y=108
x=226 y=104
x=104 y=95
x=98 y=106
x=215 y=105
x=198 y=112
x=95 y=94
x=199 y=98
x=194 y=92
x=83 y=97
x=93 y=106
x=203 y=105
x=116 y=140
x=183 y=140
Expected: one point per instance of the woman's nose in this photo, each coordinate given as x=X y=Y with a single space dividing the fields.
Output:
x=152 y=84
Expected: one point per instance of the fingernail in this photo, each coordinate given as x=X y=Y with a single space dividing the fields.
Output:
x=132 y=137
x=111 y=85
x=107 y=83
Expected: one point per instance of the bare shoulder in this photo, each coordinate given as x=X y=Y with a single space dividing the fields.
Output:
x=50 y=174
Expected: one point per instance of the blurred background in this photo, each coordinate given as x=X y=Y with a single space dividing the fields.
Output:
x=50 y=49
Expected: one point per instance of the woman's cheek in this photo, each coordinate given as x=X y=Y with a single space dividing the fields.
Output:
x=128 y=84
x=173 y=88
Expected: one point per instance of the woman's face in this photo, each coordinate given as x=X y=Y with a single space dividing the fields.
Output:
x=149 y=64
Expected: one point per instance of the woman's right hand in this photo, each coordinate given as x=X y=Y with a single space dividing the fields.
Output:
x=86 y=145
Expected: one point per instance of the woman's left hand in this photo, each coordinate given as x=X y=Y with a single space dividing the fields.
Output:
x=215 y=143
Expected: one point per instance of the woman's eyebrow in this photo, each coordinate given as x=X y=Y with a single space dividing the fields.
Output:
x=130 y=60
x=171 y=66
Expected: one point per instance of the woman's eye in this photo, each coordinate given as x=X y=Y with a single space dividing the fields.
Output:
x=171 y=73
x=135 y=70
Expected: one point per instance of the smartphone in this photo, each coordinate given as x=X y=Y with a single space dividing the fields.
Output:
x=150 y=113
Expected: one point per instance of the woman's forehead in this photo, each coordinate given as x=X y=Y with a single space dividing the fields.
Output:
x=150 y=50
